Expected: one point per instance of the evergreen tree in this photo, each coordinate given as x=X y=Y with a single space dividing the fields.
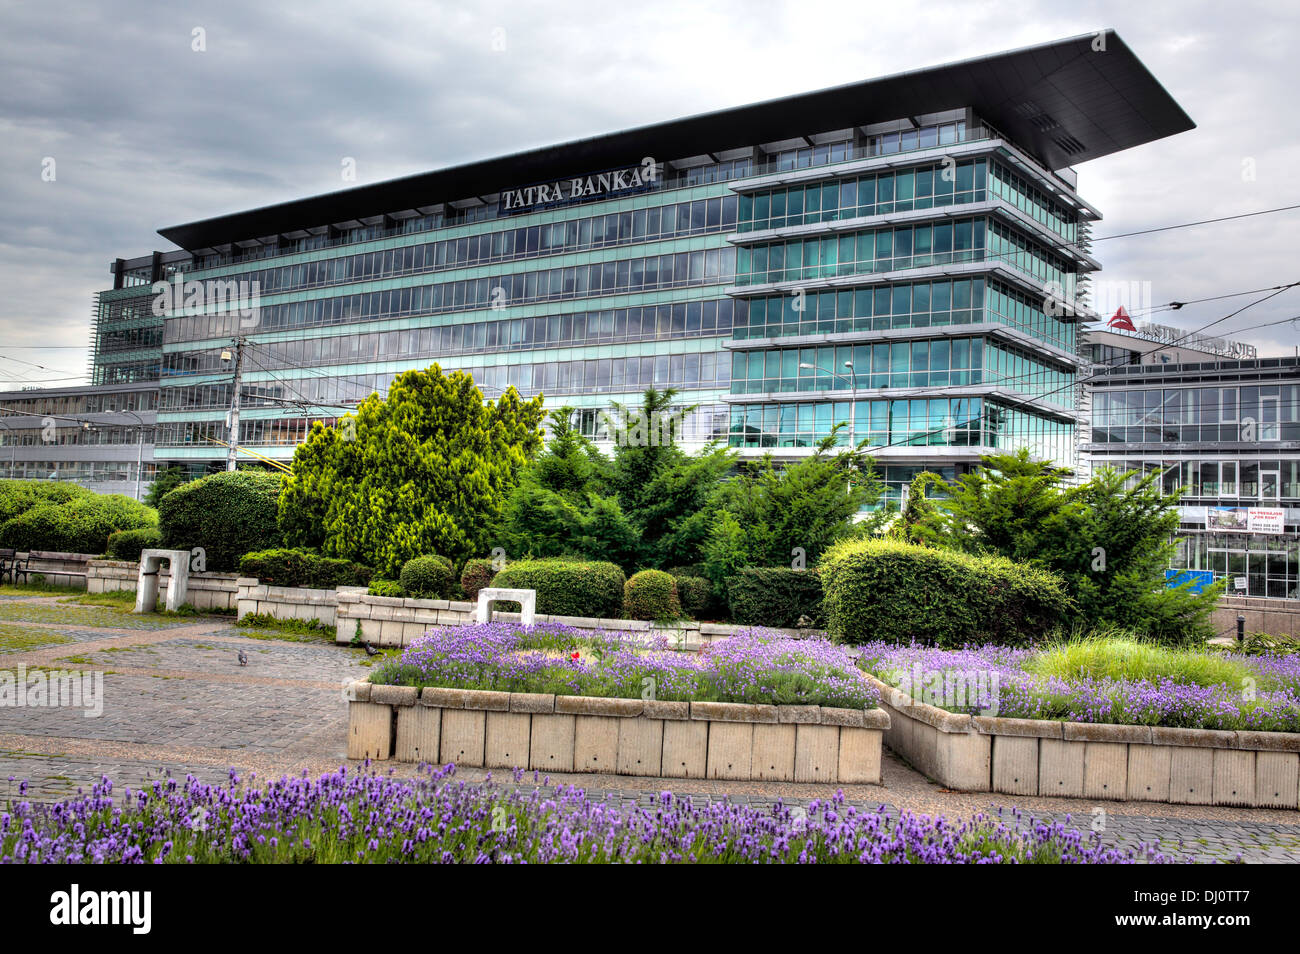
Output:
x=425 y=471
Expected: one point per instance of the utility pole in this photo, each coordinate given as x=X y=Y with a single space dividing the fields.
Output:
x=232 y=417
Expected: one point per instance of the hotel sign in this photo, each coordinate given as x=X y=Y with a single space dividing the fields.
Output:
x=615 y=182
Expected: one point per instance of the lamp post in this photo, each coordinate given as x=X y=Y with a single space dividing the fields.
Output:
x=139 y=451
x=853 y=381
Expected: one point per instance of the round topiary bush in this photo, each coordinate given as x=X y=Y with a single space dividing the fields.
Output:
x=695 y=593
x=477 y=574
x=582 y=588
x=128 y=544
x=227 y=514
x=287 y=567
x=651 y=594
x=428 y=577
x=76 y=522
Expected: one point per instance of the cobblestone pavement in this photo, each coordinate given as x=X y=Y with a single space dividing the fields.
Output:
x=176 y=700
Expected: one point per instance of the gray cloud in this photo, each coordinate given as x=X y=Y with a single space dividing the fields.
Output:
x=146 y=132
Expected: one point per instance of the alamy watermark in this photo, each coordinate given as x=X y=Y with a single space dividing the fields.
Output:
x=958 y=690
x=52 y=689
x=243 y=298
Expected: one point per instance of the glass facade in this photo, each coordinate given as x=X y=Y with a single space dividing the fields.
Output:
x=595 y=298
x=1227 y=435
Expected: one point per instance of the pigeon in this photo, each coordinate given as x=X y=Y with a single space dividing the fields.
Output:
x=243 y=658
x=371 y=650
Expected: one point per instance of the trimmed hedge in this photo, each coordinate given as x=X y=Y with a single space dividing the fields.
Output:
x=775 y=596
x=57 y=517
x=386 y=588
x=696 y=596
x=651 y=594
x=477 y=574
x=227 y=514
x=901 y=593
x=428 y=577
x=287 y=567
x=128 y=544
x=569 y=587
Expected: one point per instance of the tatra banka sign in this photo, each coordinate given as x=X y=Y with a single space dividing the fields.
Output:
x=616 y=182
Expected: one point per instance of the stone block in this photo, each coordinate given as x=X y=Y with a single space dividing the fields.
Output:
x=1015 y=764
x=394 y=695
x=1276 y=776
x=731 y=746
x=773 y=754
x=964 y=760
x=1234 y=777
x=1191 y=775
x=816 y=753
x=463 y=732
x=1148 y=773
x=507 y=739
x=1105 y=769
x=419 y=729
x=672 y=711
x=853 y=718
x=551 y=748
x=686 y=748
x=532 y=702
x=810 y=715
x=859 y=762
x=597 y=706
x=1060 y=768
x=370 y=731
x=732 y=712
x=595 y=744
x=640 y=746
x=466 y=699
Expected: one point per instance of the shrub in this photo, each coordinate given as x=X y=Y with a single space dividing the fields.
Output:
x=651 y=594
x=775 y=596
x=384 y=588
x=898 y=592
x=477 y=574
x=227 y=514
x=128 y=544
x=19 y=496
x=285 y=567
x=569 y=587
x=428 y=577
x=696 y=596
x=72 y=523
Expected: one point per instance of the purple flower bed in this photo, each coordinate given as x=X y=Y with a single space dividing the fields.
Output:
x=1005 y=688
x=369 y=818
x=754 y=666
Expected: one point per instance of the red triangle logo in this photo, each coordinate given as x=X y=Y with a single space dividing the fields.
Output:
x=1121 y=320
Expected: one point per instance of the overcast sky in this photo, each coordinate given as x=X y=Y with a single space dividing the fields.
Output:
x=146 y=132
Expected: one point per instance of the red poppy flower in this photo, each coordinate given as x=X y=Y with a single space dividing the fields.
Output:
x=574 y=656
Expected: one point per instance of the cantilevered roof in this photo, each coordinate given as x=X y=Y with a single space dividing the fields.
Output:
x=1066 y=102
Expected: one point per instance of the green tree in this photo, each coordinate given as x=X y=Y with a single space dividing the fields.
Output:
x=426 y=470
x=765 y=512
x=1110 y=538
x=562 y=507
x=166 y=480
x=664 y=491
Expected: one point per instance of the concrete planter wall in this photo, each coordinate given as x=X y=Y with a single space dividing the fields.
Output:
x=1276 y=617
x=204 y=591
x=290 y=602
x=549 y=733
x=390 y=621
x=59 y=569
x=1095 y=761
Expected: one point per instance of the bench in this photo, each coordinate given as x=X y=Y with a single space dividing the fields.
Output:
x=10 y=565
x=25 y=569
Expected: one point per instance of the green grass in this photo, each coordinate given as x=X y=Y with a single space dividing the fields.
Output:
x=1126 y=658
x=37 y=589
x=19 y=639
x=265 y=626
x=110 y=598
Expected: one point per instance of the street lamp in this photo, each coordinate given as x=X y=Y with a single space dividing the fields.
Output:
x=139 y=452
x=853 y=381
